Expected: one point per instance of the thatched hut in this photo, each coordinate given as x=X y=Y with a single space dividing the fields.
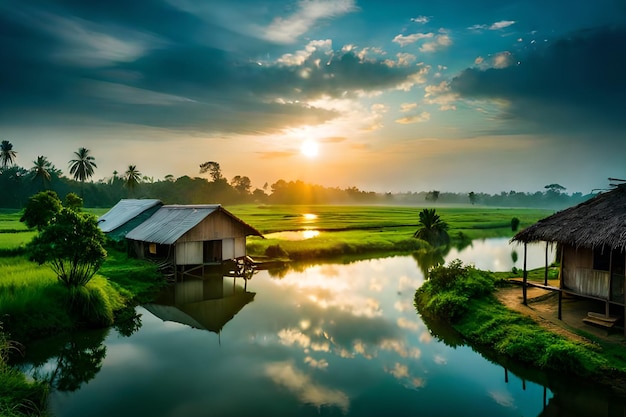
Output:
x=591 y=238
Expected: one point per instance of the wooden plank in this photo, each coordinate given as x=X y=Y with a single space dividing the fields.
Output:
x=600 y=316
x=591 y=320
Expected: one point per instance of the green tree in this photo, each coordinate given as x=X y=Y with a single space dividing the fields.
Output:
x=41 y=170
x=82 y=168
x=241 y=184
x=7 y=154
x=472 y=197
x=73 y=202
x=432 y=229
x=40 y=209
x=214 y=170
x=432 y=196
x=132 y=178
x=72 y=245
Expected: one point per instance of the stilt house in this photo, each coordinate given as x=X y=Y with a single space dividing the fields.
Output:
x=591 y=238
x=189 y=237
x=126 y=215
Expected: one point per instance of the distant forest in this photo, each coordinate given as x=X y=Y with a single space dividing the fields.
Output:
x=17 y=184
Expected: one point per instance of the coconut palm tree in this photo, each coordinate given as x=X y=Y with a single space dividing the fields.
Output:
x=432 y=228
x=7 y=154
x=132 y=177
x=82 y=167
x=41 y=170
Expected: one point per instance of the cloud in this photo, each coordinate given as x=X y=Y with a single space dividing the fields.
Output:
x=288 y=29
x=73 y=69
x=420 y=19
x=403 y=40
x=494 y=26
x=440 y=42
x=416 y=118
x=574 y=85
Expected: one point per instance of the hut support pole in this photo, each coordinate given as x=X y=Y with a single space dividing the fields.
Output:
x=524 y=290
x=610 y=295
x=545 y=275
x=560 y=284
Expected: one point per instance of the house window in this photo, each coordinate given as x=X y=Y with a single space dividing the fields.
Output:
x=601 y=259
x=152 y=249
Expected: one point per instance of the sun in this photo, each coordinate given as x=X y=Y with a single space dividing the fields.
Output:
x=309 y=148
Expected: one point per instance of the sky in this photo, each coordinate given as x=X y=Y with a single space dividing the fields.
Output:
x=387 y=96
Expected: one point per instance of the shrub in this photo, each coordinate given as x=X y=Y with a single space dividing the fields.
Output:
x=514 y=224
x=276 y=251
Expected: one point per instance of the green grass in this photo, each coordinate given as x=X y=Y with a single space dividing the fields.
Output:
x=486 y=323
x=370 y=229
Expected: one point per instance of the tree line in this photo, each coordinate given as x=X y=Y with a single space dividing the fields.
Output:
x=19 y=183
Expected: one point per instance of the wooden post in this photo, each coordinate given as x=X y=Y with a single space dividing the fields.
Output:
x=525 y=279
x=561 y=282
x=545 y=277
x=610 y=289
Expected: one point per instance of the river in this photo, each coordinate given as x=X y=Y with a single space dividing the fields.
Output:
x=327 y=339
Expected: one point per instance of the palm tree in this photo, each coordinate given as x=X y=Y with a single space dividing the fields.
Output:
x=432 y=228
x=82 y=167
x=7 y=154
x=41 y=170
x=132 y=177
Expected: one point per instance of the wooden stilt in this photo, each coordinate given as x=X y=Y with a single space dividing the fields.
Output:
x=524 y=290
x=545 y=275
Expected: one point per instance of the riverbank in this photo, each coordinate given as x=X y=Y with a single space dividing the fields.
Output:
x=497 y=322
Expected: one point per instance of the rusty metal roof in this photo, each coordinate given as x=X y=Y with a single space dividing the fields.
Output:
x=170 y=222
x=124 y=211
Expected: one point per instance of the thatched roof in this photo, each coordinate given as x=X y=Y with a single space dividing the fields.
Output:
x=600 y=221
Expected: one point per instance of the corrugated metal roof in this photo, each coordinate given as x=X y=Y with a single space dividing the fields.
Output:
x=124 y=211
x=169 y=223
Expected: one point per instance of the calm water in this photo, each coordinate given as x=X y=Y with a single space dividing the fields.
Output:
x=329 y=339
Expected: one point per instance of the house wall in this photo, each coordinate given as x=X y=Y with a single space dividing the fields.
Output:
x=189 y=253
x=216 y=226
x=579 y=275
x=240 y=247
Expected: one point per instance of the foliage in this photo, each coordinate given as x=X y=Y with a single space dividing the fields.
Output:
x=432 y=229
x=42 y=170
x=132 y=177
x=82 y=167
x=72 y=245
x=18 y=397
x=449 y=288
x=514 y=224
x=73 y=202
x=41 y=209
x=7 y=154
x=213 y=168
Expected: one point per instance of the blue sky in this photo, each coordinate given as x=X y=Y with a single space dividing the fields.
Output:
x=482 y=96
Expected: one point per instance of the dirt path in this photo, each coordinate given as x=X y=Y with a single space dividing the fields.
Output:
x=542 y=307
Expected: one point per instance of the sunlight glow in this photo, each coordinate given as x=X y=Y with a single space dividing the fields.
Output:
x=309 y=148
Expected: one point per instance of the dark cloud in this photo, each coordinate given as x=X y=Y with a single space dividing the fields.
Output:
x=576 y=83
x=149 y=63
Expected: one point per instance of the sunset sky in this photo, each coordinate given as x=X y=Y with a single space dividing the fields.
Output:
x=454 y=95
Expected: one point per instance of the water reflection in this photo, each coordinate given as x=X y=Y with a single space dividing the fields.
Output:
x=327 y=339
x=206 y=304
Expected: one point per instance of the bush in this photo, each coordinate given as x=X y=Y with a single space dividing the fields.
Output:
x=275 y=251
x=514 y=224
x=449 y=289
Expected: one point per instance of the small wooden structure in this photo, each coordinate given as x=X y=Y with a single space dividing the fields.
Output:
x=591 y=241
x=126 y=215
x=191 y=237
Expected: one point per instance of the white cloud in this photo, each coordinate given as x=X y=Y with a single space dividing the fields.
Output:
x=288 y=29
x=418 y=77
x=494 y=26
x=420 y=19
x=501 y=24
x=405 y=107
x=440 y=42
x=324 y=48
x=409 y=39
x=417 y=118
x=502 y=60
